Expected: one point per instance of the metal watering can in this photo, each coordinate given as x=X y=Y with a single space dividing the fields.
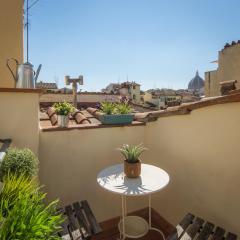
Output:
x=25 y=76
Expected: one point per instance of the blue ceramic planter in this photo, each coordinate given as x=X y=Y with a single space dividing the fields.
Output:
x=116 y=119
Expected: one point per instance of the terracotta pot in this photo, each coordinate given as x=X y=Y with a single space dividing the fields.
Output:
x=132 y=170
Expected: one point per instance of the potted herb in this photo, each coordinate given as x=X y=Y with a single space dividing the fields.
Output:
x=132 y=162
x=63 y=109
x=116 y=113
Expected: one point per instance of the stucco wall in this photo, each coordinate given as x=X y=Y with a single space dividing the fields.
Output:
x=228 y=69
x=229 y=64
x=11 y=32
x=212 y=86
x=71 y=160
x=201 y=153
x=19 y=119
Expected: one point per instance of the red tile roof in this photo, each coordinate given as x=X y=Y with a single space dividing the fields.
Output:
x=89 y=118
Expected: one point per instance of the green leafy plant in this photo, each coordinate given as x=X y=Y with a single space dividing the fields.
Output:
x=115 y=108
x=19 y=161
x=13 y=185
x=123 y=108
x=132 y=153
x=63 y=108
x=25 y=216
x=108 y=107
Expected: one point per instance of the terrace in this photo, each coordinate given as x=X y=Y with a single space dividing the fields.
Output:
x=197 y=144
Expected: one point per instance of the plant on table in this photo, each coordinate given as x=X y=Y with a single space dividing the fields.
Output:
x=23 y=213
x=19 y=161
x=132 y=163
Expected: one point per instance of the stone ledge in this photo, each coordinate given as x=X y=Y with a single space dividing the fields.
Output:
x=87 y=126
x=21 y=90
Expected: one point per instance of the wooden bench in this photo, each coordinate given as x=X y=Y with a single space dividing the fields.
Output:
x=80 y=222
x=192 y=227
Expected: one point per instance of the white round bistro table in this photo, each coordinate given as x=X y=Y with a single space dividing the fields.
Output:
x=152 y=180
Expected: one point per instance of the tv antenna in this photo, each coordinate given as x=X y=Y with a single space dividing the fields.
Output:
x=28 y=7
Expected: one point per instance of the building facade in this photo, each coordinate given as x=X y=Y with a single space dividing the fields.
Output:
x=162 y=98
x=49 y=87
x=228 y=69
x=112 y=88
x=131 y=90
x=11 y=32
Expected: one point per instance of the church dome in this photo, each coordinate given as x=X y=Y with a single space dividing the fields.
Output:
x=196 y=83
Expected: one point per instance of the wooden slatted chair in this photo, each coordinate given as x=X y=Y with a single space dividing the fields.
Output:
x=80 y=222
x=192 y=227
x=4 y=145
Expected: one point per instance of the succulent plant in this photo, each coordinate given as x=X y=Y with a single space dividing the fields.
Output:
x=123 y=108
x=132 y=153
x=115 y=108
x=108 y=107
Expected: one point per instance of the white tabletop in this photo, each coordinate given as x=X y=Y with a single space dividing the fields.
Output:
x=152 y=179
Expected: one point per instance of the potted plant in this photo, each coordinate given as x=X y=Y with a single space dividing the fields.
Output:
x=116 y=113
x=132 y=162
x=24 y=213
x=19 y=161
x=63 y=109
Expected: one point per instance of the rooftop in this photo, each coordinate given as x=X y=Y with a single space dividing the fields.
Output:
x=192 y=154
x=46 y=85
x=72 y=159
x=89 y=118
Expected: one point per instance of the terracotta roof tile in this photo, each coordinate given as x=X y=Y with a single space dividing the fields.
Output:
x=91 y=121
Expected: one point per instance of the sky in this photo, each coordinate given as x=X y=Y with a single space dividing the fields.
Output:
x=156 y=43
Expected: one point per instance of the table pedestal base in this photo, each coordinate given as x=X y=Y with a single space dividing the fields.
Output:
x=135 y=227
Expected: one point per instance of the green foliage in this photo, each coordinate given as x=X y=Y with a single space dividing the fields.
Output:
x=23 y=214
x=108 y=107
x=13 y=184
x=63 y=108
x=115 y=108
x=132 y=153
x=19 y=161
x=123 y=108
